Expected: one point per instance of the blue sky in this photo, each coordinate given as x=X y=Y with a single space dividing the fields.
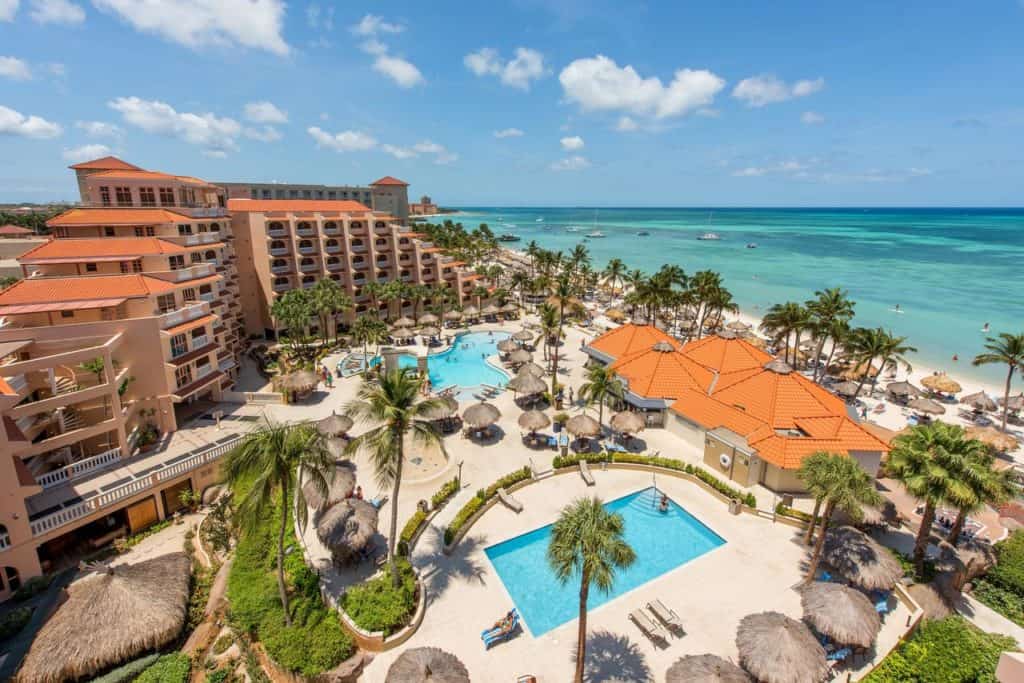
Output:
x=569 y=102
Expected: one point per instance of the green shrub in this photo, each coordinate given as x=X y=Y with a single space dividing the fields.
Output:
x=221 y=645
x=202 y=580
x=127 y=672
x=376 y=605
x=949 y=650
x=218 y=676
x=419 y=518
x=508 y=480
x=1009 y=570
x=784 y=511
x=482 y=496
x=170 y=668
x=15 y=620
x=128 y=542
x=572 y=459
x=445 y=493
x=32 y=587
x=467 y=511
x=1006 y=602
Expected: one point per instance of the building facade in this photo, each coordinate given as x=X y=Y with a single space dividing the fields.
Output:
x=387 y=195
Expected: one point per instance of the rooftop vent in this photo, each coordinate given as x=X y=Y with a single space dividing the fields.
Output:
x=778 y=366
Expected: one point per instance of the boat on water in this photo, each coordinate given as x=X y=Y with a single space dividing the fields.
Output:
x=751 y=245
x=643 y=233
x=508 y=237
x=709 y=237
x=539 y=220
x=573 y=228
x=595 y=233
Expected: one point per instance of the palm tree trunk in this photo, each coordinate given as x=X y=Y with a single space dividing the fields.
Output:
x=812 y=569
x=796 y=347
x=396 y=580
x=285 y=502
x=864 y=375
x=581 y=641
x=600 y=411
x=828 y=362
x=814 y=521
x=921 y=541
x=554 y=364
x=958 y=527
x=1006 y=396
x=817 y=357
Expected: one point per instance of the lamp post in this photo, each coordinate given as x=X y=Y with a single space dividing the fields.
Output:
x=460 y=473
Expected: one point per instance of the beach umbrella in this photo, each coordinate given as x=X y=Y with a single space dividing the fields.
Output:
x=520 y=356
x=533 y=369
x=941 y=382
x=527 y=383
x=346 y=528
x=301 y=380
x=427 y=665
x=861 y=559
x=404 y=321
x=727 y=334
x=507 y=345
x=481 y=415
x=524 y=336
x=614 y=314
x=429 y=331
x=627 y=421
x=339 y=487
x=583 y=425
x=705 y=669
x=446 y=407
x=470 y=311
x=903 y=390
x=453 y=315
x=402 y=333
x=929 y=600
x=111 y=615
x=842 y=613
x=927 y=405
x=847 y=389
x=335 y=447
x=490 y=309
x=428 y=319
x=993 y=438
x=860 y=370
x=979 y=401
x=757 y=342
x=510 y=308
x=1014 y=403
x=737 y=326
x=334 y=424
x=534 y=420
x=778 y=366
x=777 y=649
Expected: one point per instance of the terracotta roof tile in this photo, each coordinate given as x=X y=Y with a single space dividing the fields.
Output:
x=389 y=180
x=627 y=339
x=106 y=163
x=48 y=289
x=156 y=176
x=10 y=229
x=661 y=374
x=294 y=205
x=101 y=247
x=111 y=216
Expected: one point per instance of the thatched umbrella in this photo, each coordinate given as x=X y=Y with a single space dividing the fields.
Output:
x=942 y=383
x=402 y=333
x=346 y=528
x=453 y=316
x=858 y=371
x=929 y=600
x=533 y=369
x=842 y=613
x=490 y=309
x=470 y=311
x=524 y=336
x=301 y=380
x=334 y=424
x=447 y=406
x=340 y=487
x=777 y=649
x=404 y=321
x=481 y=415
x=927 y=406
x=534 y=420
x=111 y=616
x=507 y=345
x=614 y=315
x=520 y=356
x=705 y=669
x=427 y=665
x=429 y=319
x=848 y=389
x=429 y=331
x=979 y=401
x=527 y=383
x=737 y=326
x=627 y=421
x=992 y=437
x=755 y=341
x=509 y=308
x=903 y=390
x=861 y=559
x=335 y=447
x=1015 y=402
x=583 y=425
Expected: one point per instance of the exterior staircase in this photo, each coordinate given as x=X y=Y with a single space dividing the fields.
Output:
x=65 y=384
x=72 y=420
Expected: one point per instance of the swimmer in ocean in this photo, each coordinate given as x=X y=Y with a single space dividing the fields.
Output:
x=985 y=327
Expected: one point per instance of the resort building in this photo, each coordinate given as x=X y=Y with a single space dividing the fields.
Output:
x=754 y=418
x=295 y=243
x=424 y=207
x=387 y=195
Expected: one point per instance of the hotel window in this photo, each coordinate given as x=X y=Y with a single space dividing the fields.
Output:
x=105 y=196
x=266 y=194
x=166 y=196
x=108 y=231
x=178 y=345
x=183 y=376
x=189 y=294
x=183 y=196
x=150 y=231
x=138 y=232
x=196 y=257
x=147 y=196
x=67 y=314
x=185 y=229
x=90 y=267
x=126 y=266
x=136 y=266
x=293 y=194
x=165 y=302
x=177 y=261
x=331 y=194
x=124 y=196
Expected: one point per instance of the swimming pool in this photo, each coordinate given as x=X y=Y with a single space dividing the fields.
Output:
x=464 y=364
x=662 y=541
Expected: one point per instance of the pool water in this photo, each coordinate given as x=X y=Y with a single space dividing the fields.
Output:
x=662 y=541
x=464 y=364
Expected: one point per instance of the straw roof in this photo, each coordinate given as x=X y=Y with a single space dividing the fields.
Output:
x=858 y=371
x=346 y=528
x=737 y=326
x=930 y=600
x=614 y=314
x=453 y=315
x=534 y=420
x=510 y=308
x=942 y=383
x=847 y=388
x=861 y=559
x=404 y=321
x=300 y=380
x=428 y=319
x=427 y=665
x=583 y=425
x=334 y=424
x=339 y=488
x=447 y=407
x=979 y=401
x=507 y=345
x=429 y=331
x=520 y=356
x=480 y=415
x=470 y=310
x=777 y=649
x=628 y=421
x=527 y=383
x=927 y=405
x=992 y=437
x=109 y=617
x=903 y=389
x=490 y=309
x=841 y=613
x=335 y=447
x=755 y=341
x=533 y=369
x=402 y=333
x=1015 y=402
x=705 y=669
x=524 y=335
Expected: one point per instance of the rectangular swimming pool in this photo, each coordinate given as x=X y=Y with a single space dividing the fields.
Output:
x=662 y=541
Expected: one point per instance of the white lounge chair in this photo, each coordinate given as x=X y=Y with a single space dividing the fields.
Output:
x=666 y=616
x=588 y=478
x=648 y=626
x=510 y=502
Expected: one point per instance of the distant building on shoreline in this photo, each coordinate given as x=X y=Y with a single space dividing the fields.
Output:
x=388 y=195
x=424 y=207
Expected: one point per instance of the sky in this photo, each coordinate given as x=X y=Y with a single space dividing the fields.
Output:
x=528 y=103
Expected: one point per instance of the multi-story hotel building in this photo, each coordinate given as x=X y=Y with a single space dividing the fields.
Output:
x=387 y=195
x=288 y=244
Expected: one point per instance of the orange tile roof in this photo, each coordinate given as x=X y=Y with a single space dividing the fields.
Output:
x=101 y=247
x=10 y=229
x=389 y=180
x=140 y=174
x=188 y=325
x=627 y=339
x=106 y=163
x=293 y=205
x=661 y=374
x=50 y=289
x=6 y=389
x=109 y=216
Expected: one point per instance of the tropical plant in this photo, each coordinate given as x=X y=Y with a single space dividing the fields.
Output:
x=987 y=487
x=292 y=311
x=866 y=345
x=550 y=324
x=829 y=307
x=601 y=384
x=328 y=299
x=368 y=329
x=587 y=541
x=562 y=290
x=785 y=321
x=614 y=273
x=1006 y=349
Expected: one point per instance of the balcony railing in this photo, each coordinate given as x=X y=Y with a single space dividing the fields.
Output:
x=200 y=341
x=201 y=238
x=359 y=248
x=308 y=285
x=308 y=231
x=79 y=468
x=336 y=230
x=282 y=286
x=279 y=251
x=332 y=248
x=208 y=297
x=277 y=232
x=182 y=274
x=280 y=269
x=202 y=371
x=309 y=267
x=307 y=250
x=226 y=364
x=334 y=266
x=17 y=383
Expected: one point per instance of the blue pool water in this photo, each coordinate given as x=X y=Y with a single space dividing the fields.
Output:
x=464 y=364
x=662 y=541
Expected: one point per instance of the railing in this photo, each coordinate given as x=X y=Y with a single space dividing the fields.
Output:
x=334 y=266
x=282 y=286
x=307 y=250
x=309 y=267
x=359 y=248
x=203 y=371
x=280 y=269
x=195 y=461
x=332 y=248
x=208 y=297
x=199 y=342
x=226 y=365
x=202 y=238
x=279 y=251
x=277 y=232
x=77 y=469
x=17 y=383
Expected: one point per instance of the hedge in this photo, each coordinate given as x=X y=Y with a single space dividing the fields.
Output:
x=1006 y=602
x=481 y=497
x=442 y=496
x=171 y=668
x=376 y=605
x=127 y=672
x=1009 y=570
x=15 y=620
x=785 y=511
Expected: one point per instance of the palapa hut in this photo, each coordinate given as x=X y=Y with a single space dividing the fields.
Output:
x=627 y=422
x=902 y=390
x=979 y=401
x=533 y=369
x=615 y=315
x=927 y=406
x=428 y=319
x=527 y=383
x=510 y=310
x=404 y=321
x=347 y=528
x=334 y=424
x=929 y=600
x=490 y=309
x=300 y=381
x=847 y=389
x=861 y=559
x=507 y=345
x=993 y=438
x=453 y=316
x=470 y=312
x=524 y=336
x=429 y=331
x=446 y=407
x=737 y=326
x=842 y=613
x=111 y=616
x=941 y=383
x=1014 y=402
x=340 y=487
x=427 y=665
x=520 y=356
x=705 y=669
x=481 y=415
x=533 y=420
x=335 y=447
x=856 y=372
x=402 y=333
x=777 y=649
x=583 y=426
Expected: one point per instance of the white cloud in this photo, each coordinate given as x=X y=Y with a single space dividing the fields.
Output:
x=573 y=163
x=205 y=130
x=345 y=141
x=255 y=24
x=428 y=147
x=373 y=47
x=758 y=91
x=215 y=153
x=99 y=129
x=527 y=65
x=812 y=118
x=626 y=124
x=790 y=167
x=57 y=69
x=15 y=69
x=262 y=133
x=371 y=25
x=264 y=112
x=402 y=72
x=86 y=152
x=15 y=123
x=598 y=83
x=750 y=172
x=399 y=152
x=508 y=133
x=8 y=8
x=56 y=12
x=572 y=144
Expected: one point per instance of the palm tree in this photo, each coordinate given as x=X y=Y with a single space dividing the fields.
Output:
x=601 y=384
x=783 y=320
x=368 y=329
x=1006 y=349
x=292 y=311
x=562 y=291
x=374 y=290
x=328 y=299
x=813 y=471
x=397 y=408
x=841 y=484
x=480 y=292
x=614 y=272
x=988 y=487
x=533 y=250
x=867 y=345
x=268 y=461
x=549 y=322
x=519 y=282
x=830 y=306
x=931 y=461
x=588 y=541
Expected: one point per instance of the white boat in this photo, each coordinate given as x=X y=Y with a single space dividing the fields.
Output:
x=573 y=228
x=539 y=220
x=595 y=233
x=709 y=237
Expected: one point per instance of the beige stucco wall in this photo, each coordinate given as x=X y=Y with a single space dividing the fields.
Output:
x=691 y=432
x=778 y=479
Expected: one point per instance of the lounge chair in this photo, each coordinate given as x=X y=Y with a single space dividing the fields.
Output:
x=613 y=447
x=839 y=655
x=510 y=502
x=502 y=630
x=666 y=616
x=588 y=478
x=648 y=626
x=552 y=442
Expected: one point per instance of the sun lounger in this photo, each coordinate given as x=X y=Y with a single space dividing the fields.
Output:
x=510 y=502
x=666 y=616
x=502 y=630
x=613 y=447
x=552 y=442
x=648 y=626
x=588 y=478
x=539 y=474
x=839 y=655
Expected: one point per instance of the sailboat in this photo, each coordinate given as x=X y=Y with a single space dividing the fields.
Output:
x=710 y=236
x=595 y=232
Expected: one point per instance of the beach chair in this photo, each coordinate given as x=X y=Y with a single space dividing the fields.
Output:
x=666 y=616
x=588 y=478
x=552 y=442
x=838 y=655
x=648 y=626
x=501 y=630
x=881 y=600
x=510 y=502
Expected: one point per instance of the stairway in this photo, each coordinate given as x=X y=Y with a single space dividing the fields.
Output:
x=72 y=420
x=65 y=384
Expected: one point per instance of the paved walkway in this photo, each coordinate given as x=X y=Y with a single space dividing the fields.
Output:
x=988 y=619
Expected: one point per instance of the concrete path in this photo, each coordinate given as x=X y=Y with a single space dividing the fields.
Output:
x=989 y=620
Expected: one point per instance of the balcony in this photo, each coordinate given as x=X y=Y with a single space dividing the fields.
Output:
x=333 y=267
x=353 y=230
x=276 y=231
x=80 y=468
x=407 y=278
x=226 y=364
x=200 y=341
x=282 y=286
x=332 y=229
x=306 y=230
x=201 y=238
x=309 y=285
x=382 y=229
x=280 y=269
x=358 y=248
x=17 y=383
x=203 y=370
x=333 y=248
x=183 y=315
x=280 y=251
x=360 y=265
x=307 y=250
x=309 y=267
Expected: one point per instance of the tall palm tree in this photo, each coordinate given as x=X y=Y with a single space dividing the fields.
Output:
x=327 y=300
x=783 y=321
x=601 y=384
x=269 y=461
x=588 y=541
x=520 y=282
x=578 y=257
x=396 y=407
x=839 y=333
x=988 y=487
x=828 y=307
x=374 y=290
x=562 y=290
x=549 y=326
x=369 y=329
x=533 y=250
x=870 y=344
x=813 y=473
x=1006 y=349
x=292 y=311
x=842 y=485
x=614 y=272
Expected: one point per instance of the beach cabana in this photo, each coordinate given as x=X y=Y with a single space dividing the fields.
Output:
x=490 y=309
x=627 y=422
x=446 y=407
x=346 y=529
x=470 y=311
x=929 y=600
x=993 y=438
x=737 y=326
x=615 y=315
x=299 y=382
x=507 y=345
x=427 y=665
x=705 y=669
x=428 y=319
x=527 y=383
x=1014 y=402
x=847 y=389
x=844 y=614
x=334 y=425
x=402 y=333
x=520 y=356
x=941 y=383
x=902 y=390
x=340 y=487
x=113 y=614
x=927 y=406
x=481 y=415
x=510 y=309
x=777 y=649
x=856 y=372
x=453 y=316
x=533 y=369
x=429 y=331
x=979 y=401
x=861 y=559
x=532 y=420
x=583 y=426
x=404 y=321
x=335 y=447
x=524 y=336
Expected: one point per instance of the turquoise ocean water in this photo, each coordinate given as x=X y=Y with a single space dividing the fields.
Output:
x=950 y=270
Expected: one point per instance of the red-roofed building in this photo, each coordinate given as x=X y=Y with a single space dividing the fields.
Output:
x=14 y=232
x=388 y=195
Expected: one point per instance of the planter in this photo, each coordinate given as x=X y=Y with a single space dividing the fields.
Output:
x=376 y=641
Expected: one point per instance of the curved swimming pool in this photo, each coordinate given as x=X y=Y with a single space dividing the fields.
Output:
x=464 y=364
